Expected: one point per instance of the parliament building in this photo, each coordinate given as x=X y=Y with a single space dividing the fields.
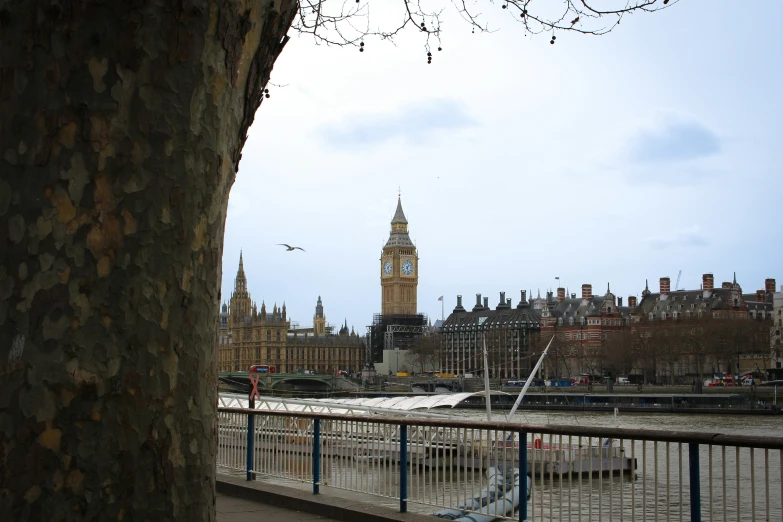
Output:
x=248 y=336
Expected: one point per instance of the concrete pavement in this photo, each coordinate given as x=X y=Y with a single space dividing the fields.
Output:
x=233 y=509
x=245 y=501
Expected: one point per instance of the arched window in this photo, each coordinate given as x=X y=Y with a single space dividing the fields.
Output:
x=570 y=321
x=736 y=302
x=582 y=320
x=269 y=335
x=559 y=321
x=277 y=335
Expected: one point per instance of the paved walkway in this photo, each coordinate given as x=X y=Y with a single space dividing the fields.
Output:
x=232 y=509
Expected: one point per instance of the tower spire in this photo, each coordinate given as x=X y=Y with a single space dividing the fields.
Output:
x=399 y=215
x=240 y=283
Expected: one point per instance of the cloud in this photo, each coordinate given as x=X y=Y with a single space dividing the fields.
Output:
x=685 y=237
x=672 y=140
x=414 y=122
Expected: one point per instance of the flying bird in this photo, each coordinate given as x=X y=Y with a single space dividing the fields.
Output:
x=289 y=248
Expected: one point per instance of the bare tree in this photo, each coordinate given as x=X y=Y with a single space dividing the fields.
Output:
x=424 y=352
x=121 y=129
x=620 y=352
x=735 y=338
x=649 y=350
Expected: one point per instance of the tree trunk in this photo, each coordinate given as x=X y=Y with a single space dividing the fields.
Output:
x=121 y=129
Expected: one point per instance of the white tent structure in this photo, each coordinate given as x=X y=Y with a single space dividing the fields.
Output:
x=417 y=405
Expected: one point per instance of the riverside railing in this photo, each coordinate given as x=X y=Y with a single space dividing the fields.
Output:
x=576 y=473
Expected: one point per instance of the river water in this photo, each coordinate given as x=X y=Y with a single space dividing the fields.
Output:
x=749 y=491
x=766 y=425
x=735 y=484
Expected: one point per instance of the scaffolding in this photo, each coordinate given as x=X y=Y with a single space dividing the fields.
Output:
x=393 y=332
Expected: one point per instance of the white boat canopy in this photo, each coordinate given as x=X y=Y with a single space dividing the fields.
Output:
x=407 y=405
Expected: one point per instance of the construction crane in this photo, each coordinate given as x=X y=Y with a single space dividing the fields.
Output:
x=677 y=286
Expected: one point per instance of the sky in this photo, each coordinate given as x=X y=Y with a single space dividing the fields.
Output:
x=602 y=160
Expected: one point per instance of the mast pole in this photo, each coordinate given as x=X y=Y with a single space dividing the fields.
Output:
x=527 y=383
x=486 y=380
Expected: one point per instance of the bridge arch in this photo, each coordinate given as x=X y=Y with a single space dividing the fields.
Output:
x=300 y=382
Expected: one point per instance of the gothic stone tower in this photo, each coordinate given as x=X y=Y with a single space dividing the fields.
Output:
x=240 y=300
x=399 y=269
x=319 y=321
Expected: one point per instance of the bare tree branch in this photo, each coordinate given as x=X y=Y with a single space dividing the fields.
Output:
x=348 y=22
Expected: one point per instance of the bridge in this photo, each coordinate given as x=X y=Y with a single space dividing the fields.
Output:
x=270 y=382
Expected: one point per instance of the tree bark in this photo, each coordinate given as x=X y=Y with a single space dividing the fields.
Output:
x=121 y=129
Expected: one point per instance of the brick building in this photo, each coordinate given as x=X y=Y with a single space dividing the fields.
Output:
x=702 y=332
x=776 y=332
x=667 y=336
x=581 y=326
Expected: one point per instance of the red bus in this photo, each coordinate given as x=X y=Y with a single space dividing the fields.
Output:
x=262 y=368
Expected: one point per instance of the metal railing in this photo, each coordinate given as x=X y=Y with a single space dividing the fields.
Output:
x=576 y=473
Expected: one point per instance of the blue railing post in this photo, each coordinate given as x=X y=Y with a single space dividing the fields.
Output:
x=695 y=479
x=403 y=468
x=250 y=446
x=250 y=440
x=523 y=475
x=316 y=455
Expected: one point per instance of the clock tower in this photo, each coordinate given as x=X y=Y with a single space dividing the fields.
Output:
x=399 y=269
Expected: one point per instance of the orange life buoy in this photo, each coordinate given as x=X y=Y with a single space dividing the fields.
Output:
x=537 y=443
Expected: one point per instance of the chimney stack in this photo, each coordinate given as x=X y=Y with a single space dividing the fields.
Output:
x=761 y=295
x=707 y=282
x=508 y=303
x=459 y=307
x=769 y=286
x=619 y=301
x=632 y=301
x=573 y=295
x=524 y=297
x=486 y=303
x=502 y=303
x=666 y=285
x=560 y=295
x=477 y=308
x=587 y=291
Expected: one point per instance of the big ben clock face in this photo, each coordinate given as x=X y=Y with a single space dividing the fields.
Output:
x=407 y=267
x=387 y=268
